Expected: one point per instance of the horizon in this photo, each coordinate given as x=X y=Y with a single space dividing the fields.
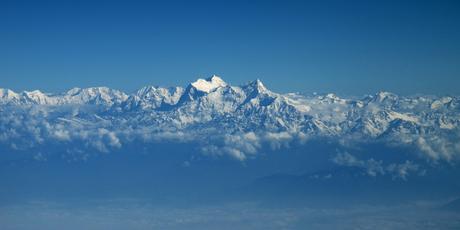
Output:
x=55 y=93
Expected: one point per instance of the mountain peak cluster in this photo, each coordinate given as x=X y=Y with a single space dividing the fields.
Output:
x=226 y=119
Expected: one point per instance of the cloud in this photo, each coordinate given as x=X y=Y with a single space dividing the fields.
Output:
x=109 y=137
x=347 y=159
x=403 y=170
x=238 y=146
x=374 y=167
x=23 y=128
x=248 y=144
x=60 y=133
x=278 y=140
x=439 y=148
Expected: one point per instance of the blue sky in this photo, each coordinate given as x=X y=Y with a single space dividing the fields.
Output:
x=348 y=47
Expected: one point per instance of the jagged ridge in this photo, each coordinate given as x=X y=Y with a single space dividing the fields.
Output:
x=431 y=123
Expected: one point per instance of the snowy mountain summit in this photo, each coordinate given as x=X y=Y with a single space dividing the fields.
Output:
x=208 y=85
x=226 y=119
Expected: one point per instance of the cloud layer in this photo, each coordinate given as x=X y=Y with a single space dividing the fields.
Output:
x=135 y=214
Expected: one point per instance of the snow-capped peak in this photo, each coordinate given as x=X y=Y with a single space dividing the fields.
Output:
x=34 y=93
x=8 y=94
x=440 y=102
x=255 y=87
x=382 y=95
x=210 y=84
x=73 y=91
x=94 y=95
x=152 y=97
x=37 y=97
x=259 y=85
x=145 y=91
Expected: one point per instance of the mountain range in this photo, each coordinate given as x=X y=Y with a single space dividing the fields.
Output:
x=238 y=119
x=211 y=108
x=241 y=142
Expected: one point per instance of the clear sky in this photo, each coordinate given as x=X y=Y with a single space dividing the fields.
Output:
x=348 y=47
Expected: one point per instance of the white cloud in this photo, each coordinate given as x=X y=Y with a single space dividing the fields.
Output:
x=375 y=168
x=402 y=170
x=61 y=133
x=40 y=126
x=347 y=159
x=278 y=140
